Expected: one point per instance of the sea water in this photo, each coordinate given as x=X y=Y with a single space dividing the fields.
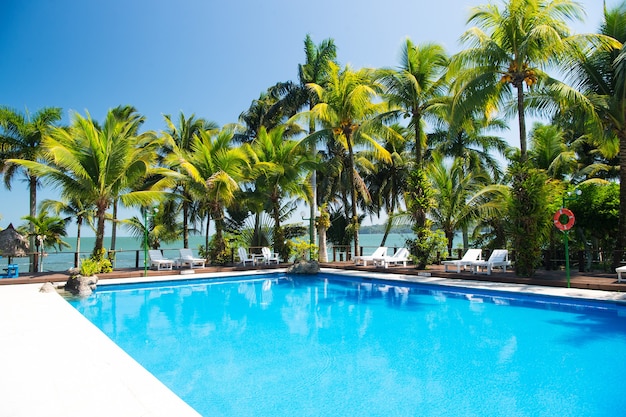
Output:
x=129 y=252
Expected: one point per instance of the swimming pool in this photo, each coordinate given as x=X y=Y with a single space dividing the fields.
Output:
x=335 y=346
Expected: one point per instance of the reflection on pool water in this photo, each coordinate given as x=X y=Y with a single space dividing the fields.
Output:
x=332 y=346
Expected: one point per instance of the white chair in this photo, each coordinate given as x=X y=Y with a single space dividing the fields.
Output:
x=244 y=256
x=400 y=257
x=381 y=252
x=187 y=258
x=269 y=257
x=499 y=259
x=619 y=271
x=472 y=255
x=159 y=262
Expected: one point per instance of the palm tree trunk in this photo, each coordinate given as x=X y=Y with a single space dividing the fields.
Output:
x=355 y=215
x=465 y=238
x=114 y=225
x=450 y=238
x=32 y=184
x=389 y=221
x=206 y=234
x=278 y=235
x=619 y=240
x=322 y=253
x=185 y=221
x=79 y=223
x=521 y=119
x=99 y=245
x=418 y=139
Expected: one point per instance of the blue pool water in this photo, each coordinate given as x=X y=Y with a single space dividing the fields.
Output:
x=330 y=346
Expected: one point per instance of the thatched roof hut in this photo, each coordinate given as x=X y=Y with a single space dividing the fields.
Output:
x=13 y=244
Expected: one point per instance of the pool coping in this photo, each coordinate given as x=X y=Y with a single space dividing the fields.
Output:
x=56 y=363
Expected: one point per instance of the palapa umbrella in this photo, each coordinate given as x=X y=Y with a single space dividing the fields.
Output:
x=12 y=244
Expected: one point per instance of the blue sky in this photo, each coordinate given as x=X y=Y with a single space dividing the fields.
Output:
x=208 y=58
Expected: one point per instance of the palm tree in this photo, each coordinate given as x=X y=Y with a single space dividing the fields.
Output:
x=346 y=110
x=463 y=134
x=601 y=76
x=511 y=47
x=99 y=165
x=47 y=232
x=549 y=152
x=182 y=135
x=314 y=71
x=417 y=88
x=453 y=186
x=215 y=168
x=280 y=167
x=20 y=138
x=386 y=182
x=74 y=208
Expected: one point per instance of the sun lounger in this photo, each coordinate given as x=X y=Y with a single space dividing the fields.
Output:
x=378 y=253
x=499 y=259
x=269 y=257
x=400 y=257
x=187 y=258
x=619 y=271
x=158 y=262
x=470 y=256
x=245 y=257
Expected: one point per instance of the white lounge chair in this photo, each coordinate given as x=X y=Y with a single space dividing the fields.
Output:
x=400 y=257
x=269 y=256
x=244 y=256
x=499 y=259
x=378 y=253
x=158 y=262
x=472 y=255
x=619 y=271
x=187 y=258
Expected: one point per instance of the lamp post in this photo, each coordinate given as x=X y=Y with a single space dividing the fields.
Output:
x=569 y=196
x=147 y=213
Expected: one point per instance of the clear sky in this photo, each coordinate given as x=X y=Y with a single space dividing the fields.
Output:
x=202 y=57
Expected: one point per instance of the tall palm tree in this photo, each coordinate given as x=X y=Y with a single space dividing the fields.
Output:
x=601 y=76
x=130 y=116
x=74 y=208
x=181 y=134
x=510 y=49
x=315 y=71
x=453 y=186
x=20 y=138
x=47 y=232
x=346 y=110
x=281 y=167
x=98 y=165
x=387 y=181
x=215 y=168
x=417 y=88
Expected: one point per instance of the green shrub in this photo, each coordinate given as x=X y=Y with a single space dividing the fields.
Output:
x=300 y=248
x=89 y=267
x=95 y=265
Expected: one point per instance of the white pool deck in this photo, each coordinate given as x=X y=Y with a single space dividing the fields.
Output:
x=54 y=362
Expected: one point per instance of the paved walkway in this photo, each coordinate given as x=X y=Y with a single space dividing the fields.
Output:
x=583 y=280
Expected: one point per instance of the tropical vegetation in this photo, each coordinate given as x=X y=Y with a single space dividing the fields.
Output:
x=417 y=144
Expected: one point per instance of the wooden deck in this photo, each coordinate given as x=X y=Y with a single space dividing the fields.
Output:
x=591 y=280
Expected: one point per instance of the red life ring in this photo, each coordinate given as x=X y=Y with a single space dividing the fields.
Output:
x=559 y=215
